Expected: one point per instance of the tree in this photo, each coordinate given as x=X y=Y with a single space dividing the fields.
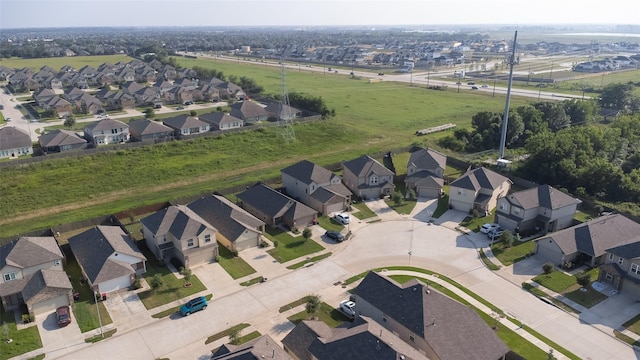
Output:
x=580 y=112
x=69 y=122
x=583 y=278
x=150 y=113
x=187 y=273
x=398 y=199
x=312 y=305
x=193 y=113
x=617 y=96
x=306 y=233
x=554 y=115
x=507 y=239
x=156 y=282
x=234 y=335
x=547 y=267
x=550 y=355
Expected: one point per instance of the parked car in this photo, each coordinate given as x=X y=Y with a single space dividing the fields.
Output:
x=485 y=85
x=348 y=307
x=63 y=315
x=197 y=304
x=180 y=108
x=380 y=74
x=489 y=227
x=8 y=119
x=343 y=218
x=471 y=83
x=474 y=88
x=335 y=235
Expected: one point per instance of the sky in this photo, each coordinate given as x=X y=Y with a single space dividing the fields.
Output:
x=117 y=13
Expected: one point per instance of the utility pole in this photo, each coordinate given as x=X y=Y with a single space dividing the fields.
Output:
x=505 y=117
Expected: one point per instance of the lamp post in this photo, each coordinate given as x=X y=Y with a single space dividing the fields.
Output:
x=428 y=73
x=494 y=87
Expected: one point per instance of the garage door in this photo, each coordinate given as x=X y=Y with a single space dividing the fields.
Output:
x=549 y=252
x=51 y=305
x=428 y=192
x=122 y=282
x=460 y=206
x=203 y=257
x=332 y=208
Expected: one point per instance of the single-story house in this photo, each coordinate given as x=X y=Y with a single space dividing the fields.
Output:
x=14 y=142
x=263 y=347
x=149 y=130
x=588 y=242
x=221 y=121
x=184 y=125
x=248 y=111
x=275 y=208
x=61 y=140
x=108 y=258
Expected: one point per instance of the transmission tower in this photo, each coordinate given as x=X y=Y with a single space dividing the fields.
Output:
x=285 y=118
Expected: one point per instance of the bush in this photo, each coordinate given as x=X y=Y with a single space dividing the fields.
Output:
x=397 y=198
x=547 y=268
x=306 y=233
x=264 y=244
x=137 y=284
x=583 y=278
x=275 y=243
x=26 y=318
x=475 y=213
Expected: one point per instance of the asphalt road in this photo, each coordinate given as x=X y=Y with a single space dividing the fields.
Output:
x=403 y=242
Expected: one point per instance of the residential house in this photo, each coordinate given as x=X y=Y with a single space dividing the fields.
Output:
x=248 y=111
x=478 y=189
x=221 y=121
x=434 y=324
x=621 y=269
x=367 y=178
x=58 y=106
x=185 y=125
x=316 y=187
x=108 y=258
x=237 y=229
x=363 y=339
x=425 y=171
x=263 y=347
x=60 y=141
x=179 y=95
x=178 y=232
x=278 y=111
x=43 y=96
x=539 y=208
x=149 y=130
x=32 y=274
x=275 y=208
x=107 y=131
x=229 y=90
x=14 y=142
x=588 y=242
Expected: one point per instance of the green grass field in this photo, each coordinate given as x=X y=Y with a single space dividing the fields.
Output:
x=290 y=247
x=23 y=341
x=370 y=118
x=235 y=266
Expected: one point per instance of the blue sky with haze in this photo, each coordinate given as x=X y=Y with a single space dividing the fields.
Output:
x=77 y=13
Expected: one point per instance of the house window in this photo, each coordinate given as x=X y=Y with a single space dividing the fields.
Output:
x=413 y=339
x=516 y=211
x=10 y=276
x=459 y=191
x=373 y=180
x=190 y=242
x=384 y=319
x=502 y=206
x=635 y=269
x=56 y=262
x=620 y=260
x=207 y=238
x=611 y=257
x=608 y=277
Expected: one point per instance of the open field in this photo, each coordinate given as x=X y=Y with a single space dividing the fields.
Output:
x=370 y=118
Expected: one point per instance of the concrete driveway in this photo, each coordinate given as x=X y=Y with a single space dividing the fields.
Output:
x=56 y=340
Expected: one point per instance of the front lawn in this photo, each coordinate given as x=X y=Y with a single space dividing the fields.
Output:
x=568 y=286
x=633 y=324
x=406 y=206
x=328 y=223
x=443 y=203
x=305 y=262
x=326 y=313
x=363 y=211
x=84 y=310
x=289 y=247
x=474 y=223
x=235 y=266
x=587 y=297
x=515 y=253
x=556 y=281
x=24 y=340
x=224 y=333
x=173 y=288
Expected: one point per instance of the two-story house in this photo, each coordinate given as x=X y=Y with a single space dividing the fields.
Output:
x=588 y=242
x=14 y=142
x=177 y=231
x=108 y=258
x=107 y=131
x=622 y=268
x=315 y=187
x=539 y=208
x=32 y=274
x=367 y=178
x=478 y=189
x=425 y=171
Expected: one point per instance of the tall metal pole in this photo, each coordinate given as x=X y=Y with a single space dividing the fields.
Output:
x=505 y=117
x=95 y=298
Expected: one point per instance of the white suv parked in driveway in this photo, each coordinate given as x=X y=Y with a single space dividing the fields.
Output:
x=486 y=228
x=342 y=218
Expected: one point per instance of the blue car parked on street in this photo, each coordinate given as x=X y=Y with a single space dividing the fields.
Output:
x=197 y=304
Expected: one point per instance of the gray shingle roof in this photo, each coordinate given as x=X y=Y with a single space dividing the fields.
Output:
x=542 y=196
x=308 y=172
x=452 y=330
x=12 y=138
x=247 y=110
x=365 y=166
x=480 y=178
x=30 y=251
x=596 y=236
x=184 y=122
x=230 y=220
x=427 y=159
x=93 y=248
x=177 y=220
x=147 y=127
x=263 y=347
x=106 y=125
x=219 y=118
x=60 y=137
x=266 y=200
x=46 y=284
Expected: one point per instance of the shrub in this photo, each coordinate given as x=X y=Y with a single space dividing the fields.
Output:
x=475 y=213
x=306 y=233
x=547 y=267
x=137 y=284
x=275 y=243
x=583 y=278
x=156 y=282
x=264 y=244
x=26 y=318
x=397 y=198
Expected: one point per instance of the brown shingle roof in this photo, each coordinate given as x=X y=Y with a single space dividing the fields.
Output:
x=12 y=138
